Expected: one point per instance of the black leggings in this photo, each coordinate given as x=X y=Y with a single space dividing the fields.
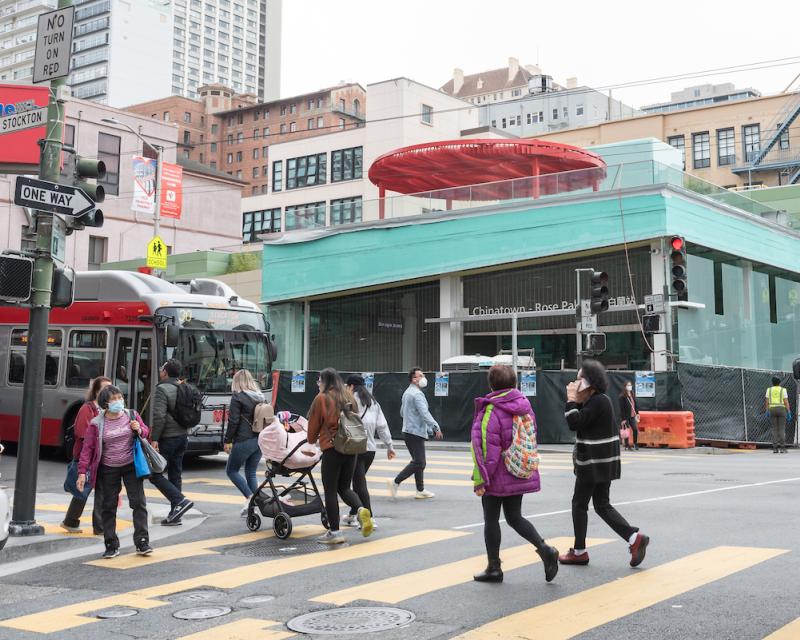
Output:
x=363 y=463
x=416 y=447
x=337 y=476
x=599 y=495
x=512 y=508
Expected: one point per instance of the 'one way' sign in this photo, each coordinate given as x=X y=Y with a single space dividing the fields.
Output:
x=50 y=196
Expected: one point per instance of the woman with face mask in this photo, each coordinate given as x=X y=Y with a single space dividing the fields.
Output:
x=596 y=462
x=629 y=417
x=107 y=460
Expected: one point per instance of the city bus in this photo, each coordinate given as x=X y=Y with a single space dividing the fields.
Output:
x=125 y=325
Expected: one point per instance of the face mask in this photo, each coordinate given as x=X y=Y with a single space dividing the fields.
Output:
x=117 y=406
x=583 y=384
x=422 y=383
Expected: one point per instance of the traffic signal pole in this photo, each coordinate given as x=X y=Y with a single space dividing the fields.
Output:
x=23 y=522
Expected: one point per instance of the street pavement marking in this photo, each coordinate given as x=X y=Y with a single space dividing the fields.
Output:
x=70 y=616
x=218 y=498
x=226 y=498
x=244 y=629
x=576 y=614
x=425 y=581
x=790 y=632
x=87 y=531
x=435 y=482
x=197 y=548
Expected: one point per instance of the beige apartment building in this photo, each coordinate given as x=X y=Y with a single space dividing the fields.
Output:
x=752 y=142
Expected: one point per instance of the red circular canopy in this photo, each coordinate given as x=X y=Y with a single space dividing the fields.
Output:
x=451 y=164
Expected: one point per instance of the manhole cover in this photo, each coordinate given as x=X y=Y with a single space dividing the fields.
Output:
x=202 y=613
x=199 y=595
x=689 y=473
x=254 y=601
x=116 y=612
x=351 y=620
x=270 y=547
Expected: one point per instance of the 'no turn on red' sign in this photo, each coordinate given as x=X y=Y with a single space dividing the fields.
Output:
x=53 y=44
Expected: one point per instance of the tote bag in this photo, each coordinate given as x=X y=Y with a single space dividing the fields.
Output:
x=139 y=460
x=71 y=482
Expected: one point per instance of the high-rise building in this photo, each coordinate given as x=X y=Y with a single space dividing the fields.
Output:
x=121 y=47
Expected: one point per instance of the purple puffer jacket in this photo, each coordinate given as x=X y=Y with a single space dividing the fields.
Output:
x=490 y=470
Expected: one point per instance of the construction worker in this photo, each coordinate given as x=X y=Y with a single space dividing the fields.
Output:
x=776 y=404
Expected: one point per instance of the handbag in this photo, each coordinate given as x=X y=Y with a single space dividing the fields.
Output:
x=139 y=461
x=71 y=482
x=155 y=461
x=625 y=435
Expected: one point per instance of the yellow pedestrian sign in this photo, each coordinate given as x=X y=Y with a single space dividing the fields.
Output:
x=157 y=253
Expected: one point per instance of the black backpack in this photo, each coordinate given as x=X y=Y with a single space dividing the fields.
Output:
x=188 y=405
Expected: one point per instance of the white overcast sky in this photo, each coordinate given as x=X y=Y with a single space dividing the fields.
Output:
x=602 y=43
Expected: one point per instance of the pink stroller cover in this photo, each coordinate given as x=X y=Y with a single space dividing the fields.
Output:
x=276 y=443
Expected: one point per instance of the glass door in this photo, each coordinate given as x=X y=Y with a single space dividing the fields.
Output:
x=124 y=360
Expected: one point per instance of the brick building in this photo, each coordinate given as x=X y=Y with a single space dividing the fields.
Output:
x=232 y=132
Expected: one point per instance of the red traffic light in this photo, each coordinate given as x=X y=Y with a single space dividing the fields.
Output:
x=677 y=243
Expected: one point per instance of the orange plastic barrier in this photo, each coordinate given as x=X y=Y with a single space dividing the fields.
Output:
x=669 y=429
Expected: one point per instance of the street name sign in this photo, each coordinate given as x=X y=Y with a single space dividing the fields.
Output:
x=23 y=120
x=53 y=45
x=157 y=254
x=51 y=196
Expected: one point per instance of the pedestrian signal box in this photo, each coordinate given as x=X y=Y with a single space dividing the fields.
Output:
x=16 y=278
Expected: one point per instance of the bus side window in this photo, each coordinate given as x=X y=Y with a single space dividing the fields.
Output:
x=86 y=357
x=16 y=360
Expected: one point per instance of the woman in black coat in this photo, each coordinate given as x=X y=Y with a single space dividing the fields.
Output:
x=596 y=459
x=628 y=415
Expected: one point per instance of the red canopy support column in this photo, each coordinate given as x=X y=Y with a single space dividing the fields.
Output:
x=535 y=173
x=381 y=203
x=449 y=204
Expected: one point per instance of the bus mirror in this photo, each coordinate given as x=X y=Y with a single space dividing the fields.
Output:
x=272 y=345
x=172 y=335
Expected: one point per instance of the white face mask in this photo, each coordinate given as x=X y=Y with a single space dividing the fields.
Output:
x=583 y=384
x=422 y=383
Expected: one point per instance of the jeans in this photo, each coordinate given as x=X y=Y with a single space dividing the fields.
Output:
x=416 y=447
x=363 y=463
x=599 y=494
x=170 y=487
x=512 y=508
x=777 y=418
x=337 y=476
x=111 y=479
x=76 y=506
x=248 y=454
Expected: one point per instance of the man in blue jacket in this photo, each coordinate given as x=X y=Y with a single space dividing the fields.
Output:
x=418 y=426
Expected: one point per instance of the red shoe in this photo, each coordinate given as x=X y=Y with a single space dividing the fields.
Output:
x=638 y=549
x=574 y=558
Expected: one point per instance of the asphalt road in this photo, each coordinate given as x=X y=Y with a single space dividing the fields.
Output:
x=723 y=561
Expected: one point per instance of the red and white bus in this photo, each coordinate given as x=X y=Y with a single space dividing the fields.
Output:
x=125 y=325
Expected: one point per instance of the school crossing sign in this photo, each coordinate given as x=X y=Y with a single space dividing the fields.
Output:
x=157 y=254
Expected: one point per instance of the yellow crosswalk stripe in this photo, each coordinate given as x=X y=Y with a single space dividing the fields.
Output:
x=217 y=498
x=790 y=632
x=228 y=499
x=197 y=548
x=568 y=617
x=425 y=581
x=70 y=616
x=244 y=629
x=53 y=528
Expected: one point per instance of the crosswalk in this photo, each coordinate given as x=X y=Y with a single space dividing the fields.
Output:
x=390 y=572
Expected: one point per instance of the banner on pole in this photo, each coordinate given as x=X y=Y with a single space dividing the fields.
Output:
x=144 y=185
x=171 y=190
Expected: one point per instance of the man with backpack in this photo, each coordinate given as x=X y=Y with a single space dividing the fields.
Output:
x=173 y=409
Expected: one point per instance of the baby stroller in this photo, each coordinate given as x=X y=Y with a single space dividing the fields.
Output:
x=271 y=499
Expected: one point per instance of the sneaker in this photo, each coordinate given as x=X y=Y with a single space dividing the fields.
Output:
x=638 y=549
x=350 y=520
x=393 y=488
x=245 y=508
x=574 y=558
x=365 y=519
x=182 y=507
x=424 y=494
x=331 y=537
x=69 y=529
x=166 y=522
x=144 y=549
x=374 y=524
x=111 y=552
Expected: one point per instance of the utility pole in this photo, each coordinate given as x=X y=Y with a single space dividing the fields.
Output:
x=23 y=521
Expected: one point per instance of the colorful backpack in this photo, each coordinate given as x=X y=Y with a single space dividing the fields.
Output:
x=522 y=457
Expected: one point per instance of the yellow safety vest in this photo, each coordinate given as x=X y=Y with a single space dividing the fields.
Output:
x=775 y=396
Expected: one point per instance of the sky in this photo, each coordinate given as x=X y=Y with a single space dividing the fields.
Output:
x=603 y=43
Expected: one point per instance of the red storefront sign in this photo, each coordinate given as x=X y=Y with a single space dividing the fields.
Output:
x=18 y=105
x=171 y=191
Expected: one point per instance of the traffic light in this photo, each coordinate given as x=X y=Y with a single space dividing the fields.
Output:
x=678 y=269
x=599 y=295
x=84 y=170
x=63 y=290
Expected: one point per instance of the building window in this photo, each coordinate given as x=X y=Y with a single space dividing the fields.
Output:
x=346 y=164
x=166 y=116
x=555 y=113
x=238 y=156
x=346 y=210
x=320 y=122
x=255 y=153
x=283 y=128
x=427 y=114
x=503 y=123
x=265 y=132
x=239 y=138
x=292 y=127
x=239 y=174
x=357 y=106
x=310 y=123
x=293 y=108
x=255 y=172
x=230 y=158
x=516 y=93
x=255 y=223
x=579 y=110
x=305 y=216
x=213 y=147
x=98 y=252
x=783 y=142
x=277 y=175
x=701 y=150
x=342 y=104
x=187 y=117
x=726 y=147
x=306 y=171
x=230 y=138
x=566 y=112
x=341 y=123
x=751 y=139
x=187 y=139
x=679 y=142
x=213 y=164
x=256 y=133
x=264 y=151
x=214 y=129
x=283 y=110
x=186 y=153
x=108 y=152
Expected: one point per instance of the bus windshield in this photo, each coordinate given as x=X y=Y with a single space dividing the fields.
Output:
x=215 y=344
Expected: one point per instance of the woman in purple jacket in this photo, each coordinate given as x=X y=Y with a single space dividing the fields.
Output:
x=492 y=433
